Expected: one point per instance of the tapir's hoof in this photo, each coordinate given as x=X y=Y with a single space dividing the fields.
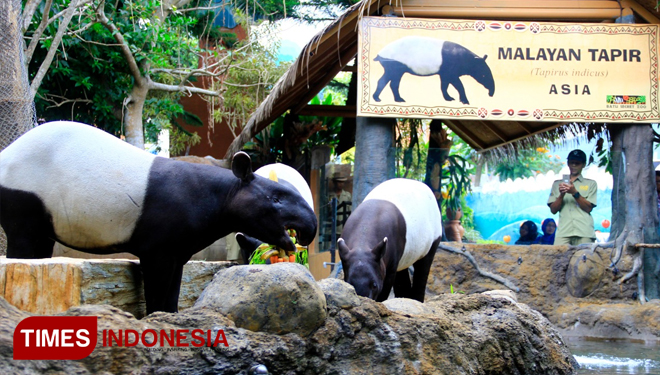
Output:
x=399 y=100
x=376 y=98
x=465 y=101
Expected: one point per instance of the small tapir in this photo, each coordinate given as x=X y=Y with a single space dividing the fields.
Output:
x=423 y=56
x=77 y=185
x=398 y=225
x=283 y=174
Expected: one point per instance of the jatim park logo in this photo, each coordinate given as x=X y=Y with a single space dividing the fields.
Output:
x=75 y=337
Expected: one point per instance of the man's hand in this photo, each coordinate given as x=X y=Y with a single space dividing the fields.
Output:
x=565 y=188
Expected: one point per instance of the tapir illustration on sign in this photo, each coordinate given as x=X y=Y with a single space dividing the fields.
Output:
x=424 y=56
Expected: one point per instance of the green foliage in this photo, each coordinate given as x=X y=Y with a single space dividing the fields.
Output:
x=527 y=164
x=411 y=149
x=312 y=10
x=329 y=134
x=456 y=181
x=253 y=73
x=486 y=242
x=269 y=144
x=89 y=78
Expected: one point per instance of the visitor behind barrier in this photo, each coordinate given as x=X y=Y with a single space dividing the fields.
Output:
x=549 y=228
x=528 y=233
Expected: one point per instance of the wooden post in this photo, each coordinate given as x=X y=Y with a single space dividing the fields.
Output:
x=374 y=155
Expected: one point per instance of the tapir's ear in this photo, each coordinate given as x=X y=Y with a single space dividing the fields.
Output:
x=379 y=250
x=341 y=245
x=242 y=166
x=246 y=242
x=485 y=57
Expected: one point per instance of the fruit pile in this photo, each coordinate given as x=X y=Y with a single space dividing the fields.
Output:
x=270 y=254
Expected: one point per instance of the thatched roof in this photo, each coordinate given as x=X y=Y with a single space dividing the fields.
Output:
x=335 y=46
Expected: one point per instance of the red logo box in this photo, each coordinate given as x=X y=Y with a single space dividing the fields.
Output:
x=55 y=337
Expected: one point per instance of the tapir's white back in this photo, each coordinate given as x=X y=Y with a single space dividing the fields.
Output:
x=76 y=169
x=290 y=175
x=419 y=209
x=423 y=55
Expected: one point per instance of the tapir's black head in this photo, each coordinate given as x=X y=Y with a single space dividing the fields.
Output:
x=364 y=268
x=482 y=74
x=265 y=209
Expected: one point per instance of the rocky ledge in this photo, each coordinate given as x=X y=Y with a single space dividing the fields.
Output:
x=450 y=334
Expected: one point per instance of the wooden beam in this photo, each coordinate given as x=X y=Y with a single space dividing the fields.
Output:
x=462 y=131
x=641 y=11
x=346 y=111
x=504 y=13
x=524 y=127
x=350 y=68
x=496 y=131
x=525 y=136
x=550 y=4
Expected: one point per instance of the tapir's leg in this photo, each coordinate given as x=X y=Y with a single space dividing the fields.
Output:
x=461 y=90
x=394 y=85
x=422 y=269
x=27 y=225
x=382 y=82
x=387 y=288
x=402 y=287
x=162 y=281
x=444 y=85
x=29 y=245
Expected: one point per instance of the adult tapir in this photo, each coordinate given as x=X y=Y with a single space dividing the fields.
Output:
x=283 y=174
x=396 y=226
x=424 y=56
x=77 y=185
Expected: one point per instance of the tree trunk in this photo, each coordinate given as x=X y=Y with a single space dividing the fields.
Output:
x=435 y=159
x=133 y=129
x=478 y=170
x=640 y=197
x=619 y=188
x=17 y=114
x=374 y=155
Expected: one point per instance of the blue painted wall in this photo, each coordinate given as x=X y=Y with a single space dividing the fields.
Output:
x=498 y=214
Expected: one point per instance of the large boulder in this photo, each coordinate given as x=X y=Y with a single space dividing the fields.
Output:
x=457 y=335
x=279 y=298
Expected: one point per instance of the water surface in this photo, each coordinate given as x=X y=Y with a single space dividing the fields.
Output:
x=615 y=357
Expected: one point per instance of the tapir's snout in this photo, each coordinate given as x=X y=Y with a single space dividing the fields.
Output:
x=491 y=92
x=306 y=229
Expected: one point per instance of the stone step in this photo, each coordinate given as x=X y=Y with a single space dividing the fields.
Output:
x=53 y=285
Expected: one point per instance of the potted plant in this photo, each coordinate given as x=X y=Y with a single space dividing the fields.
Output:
x=456 y=181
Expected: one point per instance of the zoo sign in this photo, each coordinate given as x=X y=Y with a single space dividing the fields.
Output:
x=499 y=70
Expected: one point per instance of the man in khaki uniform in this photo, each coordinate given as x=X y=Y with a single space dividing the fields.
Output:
x=574 y=202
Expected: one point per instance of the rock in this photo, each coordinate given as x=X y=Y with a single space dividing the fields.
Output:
x=541 y=274
x=502 y=293
x=585 y=273
x=610 y=320
x=465 y=334
x=407 y=306
x=280 y=298
x=53 y=285
x=339 y=293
